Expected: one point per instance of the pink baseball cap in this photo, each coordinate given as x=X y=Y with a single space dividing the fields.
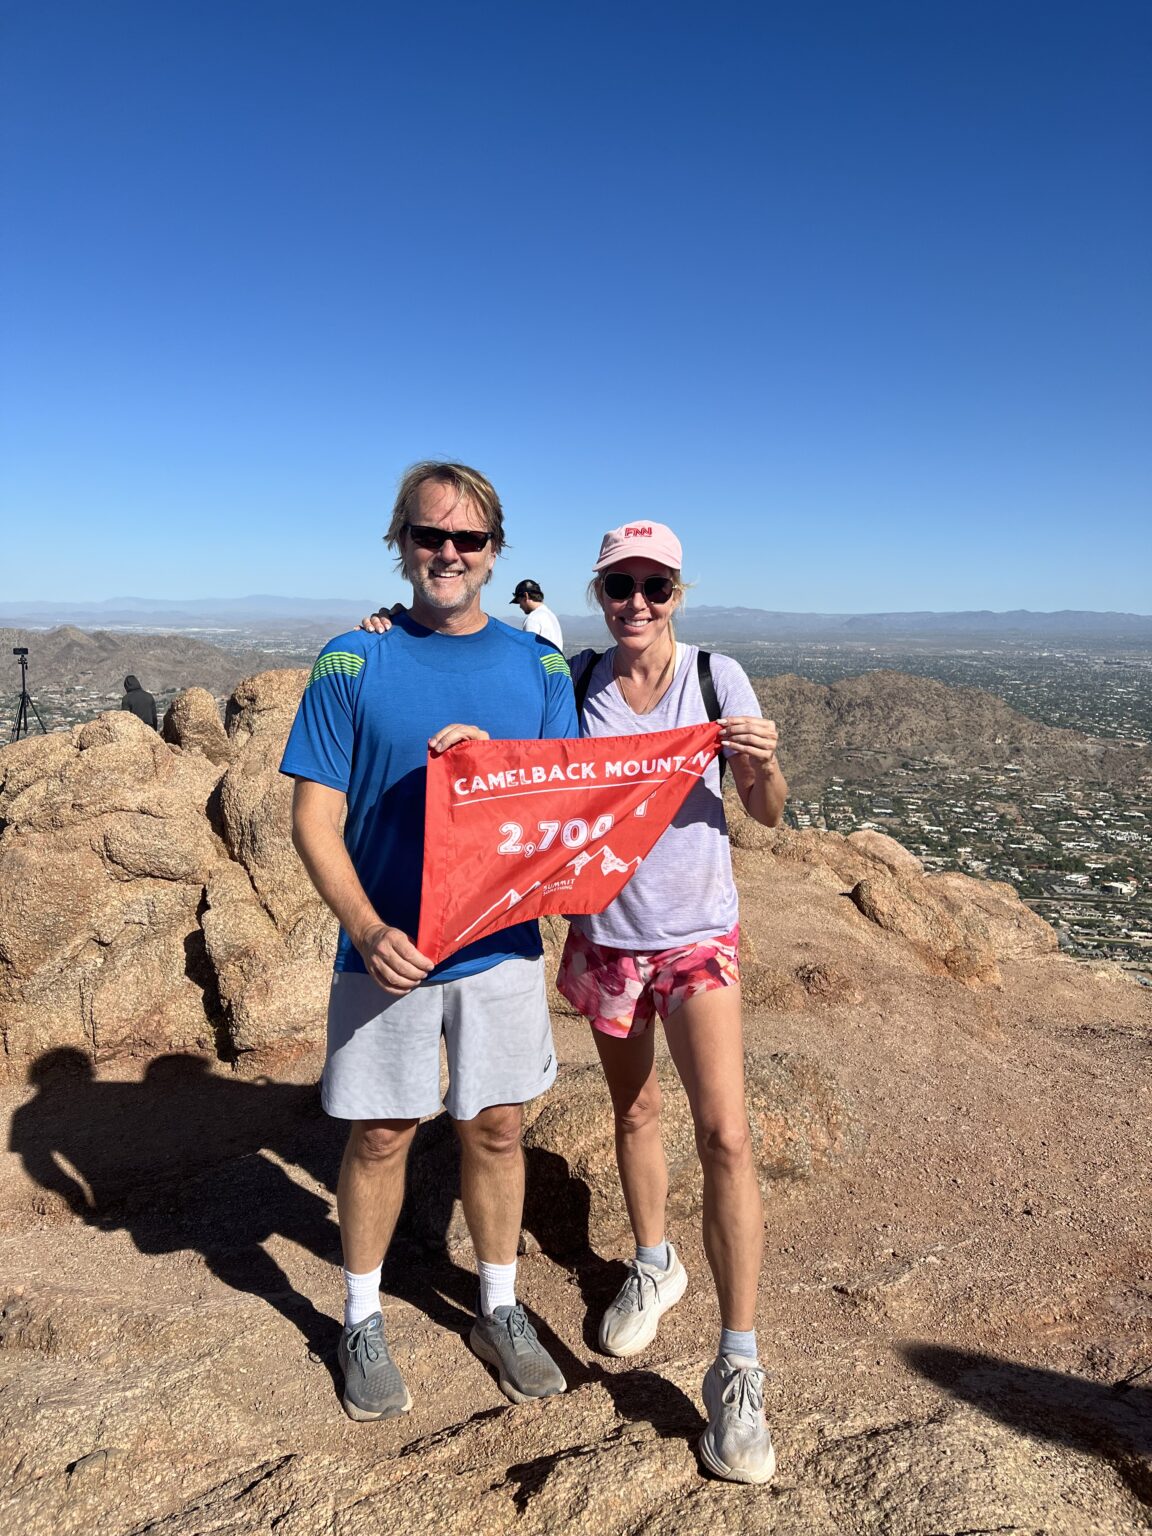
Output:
x=653 y=541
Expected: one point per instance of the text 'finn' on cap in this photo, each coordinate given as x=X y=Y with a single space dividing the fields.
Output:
x=655 y=541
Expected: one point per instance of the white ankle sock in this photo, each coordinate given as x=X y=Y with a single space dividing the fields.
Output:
x=497 y=1286
x=361 y=1295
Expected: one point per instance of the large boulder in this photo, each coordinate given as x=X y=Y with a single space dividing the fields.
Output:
x=264 y=705
x=945 y=946
x=272 y=955
x=272 y=983
x=958 y=926
x=103 y=856
x=954 y=925
x=256 y=798
x=1011 y=929
x=147 y=904
x=885 y=850
x=192 y=721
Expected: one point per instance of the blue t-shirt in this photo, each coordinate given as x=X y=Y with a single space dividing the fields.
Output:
x=369 y=707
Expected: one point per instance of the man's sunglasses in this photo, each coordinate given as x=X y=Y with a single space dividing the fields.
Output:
x=468 y=541
x=620 y=587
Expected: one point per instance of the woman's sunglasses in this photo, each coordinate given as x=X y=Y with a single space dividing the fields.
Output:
x=620 y=587
x=467 y=541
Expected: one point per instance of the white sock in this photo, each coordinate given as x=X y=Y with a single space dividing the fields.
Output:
x=361 y=1295
x=497 y=1286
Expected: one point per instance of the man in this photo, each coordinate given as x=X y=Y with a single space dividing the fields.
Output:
x=375 y=704
x=139 y=701
x=538 y=617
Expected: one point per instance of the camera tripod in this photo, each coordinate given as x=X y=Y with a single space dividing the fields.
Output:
x=20 y=724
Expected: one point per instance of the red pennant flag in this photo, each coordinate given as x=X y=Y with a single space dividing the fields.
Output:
x=514 y=829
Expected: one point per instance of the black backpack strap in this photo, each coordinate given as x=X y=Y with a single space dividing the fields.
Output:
x=707 y=686
x=708 y=694
x=581 y=684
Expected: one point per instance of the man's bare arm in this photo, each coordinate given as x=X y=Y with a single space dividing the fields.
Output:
x=389 y=955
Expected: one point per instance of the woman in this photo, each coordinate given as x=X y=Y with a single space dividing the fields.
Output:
x=667 y=946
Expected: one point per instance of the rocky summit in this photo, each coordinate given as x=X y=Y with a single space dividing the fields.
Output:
x=950 y=1120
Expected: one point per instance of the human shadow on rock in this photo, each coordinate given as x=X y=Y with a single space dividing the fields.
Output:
x=557 y=1212
x=422 y=1269
x=180 y=1161
x=1113 y=1421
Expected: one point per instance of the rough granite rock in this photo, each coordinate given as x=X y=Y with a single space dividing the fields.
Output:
x=128 y=922
x=829 y=855
x=885 y=850
x=192 y=721
x=264 y=704
x=1011 y=929
x=958 y=926
x=256 y=818
x=104 y=850
x=270 y=996
x=946 y=947
x=613 y=1455
x=955 y=1312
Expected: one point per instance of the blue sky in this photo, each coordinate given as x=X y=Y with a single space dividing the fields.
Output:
x=856 y=297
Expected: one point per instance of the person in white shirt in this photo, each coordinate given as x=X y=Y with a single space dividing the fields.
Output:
x=538 y=617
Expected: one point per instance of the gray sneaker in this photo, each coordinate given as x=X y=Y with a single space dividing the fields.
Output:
x=508 y=1341
x=629 y=1325
x=736 y=1445
x=373 y=1387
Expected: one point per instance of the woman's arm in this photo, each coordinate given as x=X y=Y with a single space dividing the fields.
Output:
x=762 y=787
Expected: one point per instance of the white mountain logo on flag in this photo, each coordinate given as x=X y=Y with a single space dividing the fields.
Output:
x=609 y=863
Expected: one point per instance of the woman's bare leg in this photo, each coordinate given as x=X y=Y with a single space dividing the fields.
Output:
x=706 y=1041
x=630 y=1069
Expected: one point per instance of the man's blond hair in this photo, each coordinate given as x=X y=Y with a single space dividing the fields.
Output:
x=469 y=485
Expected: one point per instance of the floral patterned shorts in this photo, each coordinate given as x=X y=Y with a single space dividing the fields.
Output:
x=620 y=991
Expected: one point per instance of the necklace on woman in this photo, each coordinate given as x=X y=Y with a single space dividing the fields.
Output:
x=655 y=692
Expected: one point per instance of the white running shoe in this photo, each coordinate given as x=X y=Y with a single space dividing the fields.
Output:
x=629 y=1325
x=736 y=1445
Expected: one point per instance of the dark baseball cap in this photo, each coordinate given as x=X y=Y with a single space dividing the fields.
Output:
x=527 y=589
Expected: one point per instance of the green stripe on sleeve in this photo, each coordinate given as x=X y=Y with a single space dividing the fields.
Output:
x=345 y=663
x=552 y=661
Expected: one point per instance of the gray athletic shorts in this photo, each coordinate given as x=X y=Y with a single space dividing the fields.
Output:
x=384 y=1051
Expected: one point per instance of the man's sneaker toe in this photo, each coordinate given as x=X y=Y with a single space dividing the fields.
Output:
x=373 y=1387
x=525 y=1370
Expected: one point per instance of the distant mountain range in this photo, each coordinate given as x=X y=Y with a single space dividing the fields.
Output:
x=330 y=615
x=99 y=660
x=860 y=727
x=1017 y=624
